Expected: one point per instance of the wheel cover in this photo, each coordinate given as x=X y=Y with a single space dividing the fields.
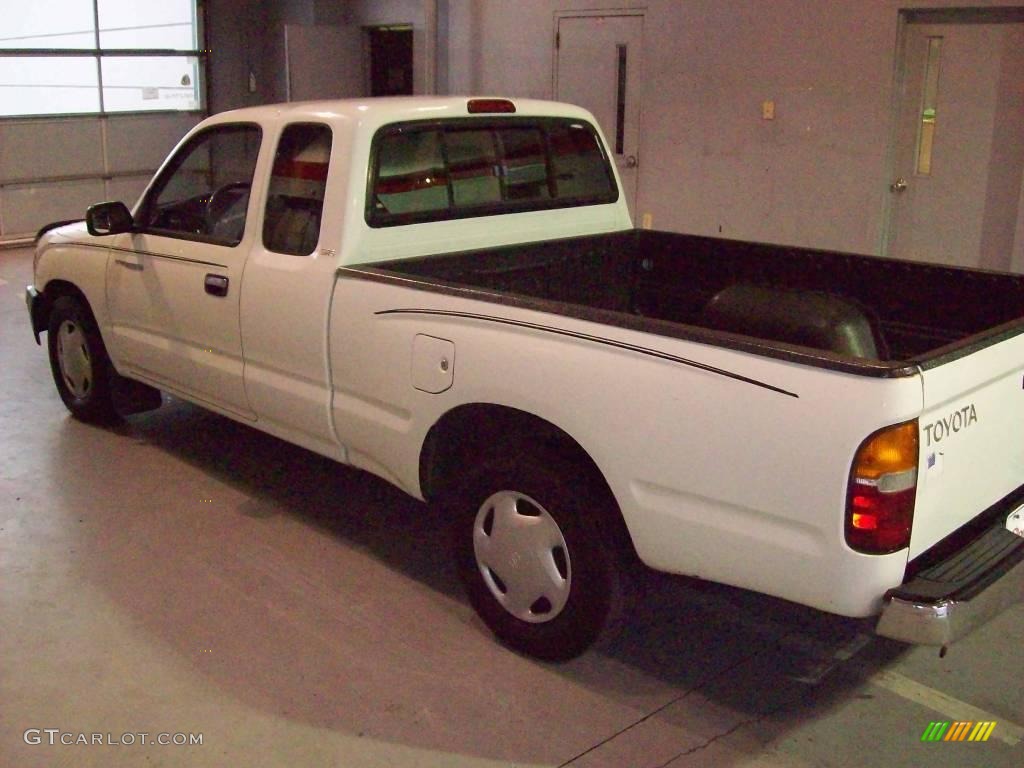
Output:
x=74 y=359
x=522 y=556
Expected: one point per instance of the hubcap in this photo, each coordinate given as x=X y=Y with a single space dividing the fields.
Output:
x=73 y=356
x=522 y=556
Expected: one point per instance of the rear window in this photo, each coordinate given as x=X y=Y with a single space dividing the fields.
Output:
x=431 y=172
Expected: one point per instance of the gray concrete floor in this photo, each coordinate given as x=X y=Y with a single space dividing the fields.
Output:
x=185 y=574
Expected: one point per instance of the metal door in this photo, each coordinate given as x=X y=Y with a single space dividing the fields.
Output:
x=955 y=191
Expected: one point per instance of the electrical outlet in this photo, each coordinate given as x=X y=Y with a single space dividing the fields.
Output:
x=768 y=109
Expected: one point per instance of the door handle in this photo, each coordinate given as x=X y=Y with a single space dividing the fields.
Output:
x=898 y=186
x=216 y=285
x=632 y=162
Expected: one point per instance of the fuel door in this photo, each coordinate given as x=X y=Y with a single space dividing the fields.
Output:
x=433 y=364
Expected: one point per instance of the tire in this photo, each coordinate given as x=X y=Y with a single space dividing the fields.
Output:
x=79 y=362
x=529 y=539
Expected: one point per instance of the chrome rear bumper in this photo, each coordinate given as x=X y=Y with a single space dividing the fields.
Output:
x=952 y=598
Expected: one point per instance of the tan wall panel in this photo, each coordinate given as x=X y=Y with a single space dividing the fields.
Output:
x=37 y=149
x=141 y=142
x=28 y=207
x=126 y=189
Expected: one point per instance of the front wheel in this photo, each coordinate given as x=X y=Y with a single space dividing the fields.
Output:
x=529 y=539
x=78 y=359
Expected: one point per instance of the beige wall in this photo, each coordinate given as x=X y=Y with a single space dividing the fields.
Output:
x=1001 y=236
x=817 y=175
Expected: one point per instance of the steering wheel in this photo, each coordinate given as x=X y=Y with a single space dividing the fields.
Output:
x=222 y=200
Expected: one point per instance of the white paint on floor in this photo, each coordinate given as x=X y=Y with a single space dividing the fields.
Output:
x=1005 y=731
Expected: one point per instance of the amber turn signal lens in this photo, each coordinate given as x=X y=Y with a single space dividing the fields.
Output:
x=887 y=452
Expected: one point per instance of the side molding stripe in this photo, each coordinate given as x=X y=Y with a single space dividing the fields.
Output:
x=143 y=253
x=594 y=339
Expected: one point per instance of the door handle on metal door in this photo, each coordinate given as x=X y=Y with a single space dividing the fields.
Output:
x=898 y=186
x=216 y=285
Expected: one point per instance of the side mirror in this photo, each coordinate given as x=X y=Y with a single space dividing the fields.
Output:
x=108 y=219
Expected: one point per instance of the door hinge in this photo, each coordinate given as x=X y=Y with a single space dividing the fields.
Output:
x=558 y=40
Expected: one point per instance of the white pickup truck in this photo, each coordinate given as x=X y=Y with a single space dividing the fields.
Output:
x=449 y=293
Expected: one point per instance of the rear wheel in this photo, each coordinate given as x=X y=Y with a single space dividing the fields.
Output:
x=529 y=539
x=78 y=359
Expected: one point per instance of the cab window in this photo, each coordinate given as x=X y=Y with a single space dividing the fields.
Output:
x=298 y=182
x=431 y=171
x=203 y=194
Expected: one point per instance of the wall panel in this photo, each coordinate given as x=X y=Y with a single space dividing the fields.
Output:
x=34 y=149
x=53 y=169
x=27 y=207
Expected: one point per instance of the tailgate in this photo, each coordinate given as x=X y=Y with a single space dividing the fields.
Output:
x=972 y=439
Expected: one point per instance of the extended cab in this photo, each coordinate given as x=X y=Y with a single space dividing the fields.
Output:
x=449 y=293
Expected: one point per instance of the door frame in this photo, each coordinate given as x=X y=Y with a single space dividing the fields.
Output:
x=904 y=18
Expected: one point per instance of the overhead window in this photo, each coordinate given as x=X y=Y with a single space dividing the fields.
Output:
x=429 y=172
x=71 y=57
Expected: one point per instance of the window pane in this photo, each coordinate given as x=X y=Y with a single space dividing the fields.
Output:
x=929 y=105
x=509 y=166
x=411 y=176
x=297 y=186
x=580 y=168
x=473 y=167
x=168 y=24
x=41 y=85
x=204 y=192
x=525 y=164
x=147 y=83
x=51 y=24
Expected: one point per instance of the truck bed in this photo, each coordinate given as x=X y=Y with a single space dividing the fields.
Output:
x=755 y=297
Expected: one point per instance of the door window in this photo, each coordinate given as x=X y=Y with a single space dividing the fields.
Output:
x=298 y=181
x=204 y=193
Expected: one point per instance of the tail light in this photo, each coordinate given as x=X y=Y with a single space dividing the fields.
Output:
x=883 y=488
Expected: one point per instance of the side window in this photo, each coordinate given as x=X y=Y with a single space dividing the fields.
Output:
x=298 y=181
x=423 y=172
x=204 y=193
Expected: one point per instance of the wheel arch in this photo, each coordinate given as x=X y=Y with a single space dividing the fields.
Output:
x=43 y=306
x=469 y=431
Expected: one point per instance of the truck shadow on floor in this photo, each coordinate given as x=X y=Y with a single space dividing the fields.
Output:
x=687 y=643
